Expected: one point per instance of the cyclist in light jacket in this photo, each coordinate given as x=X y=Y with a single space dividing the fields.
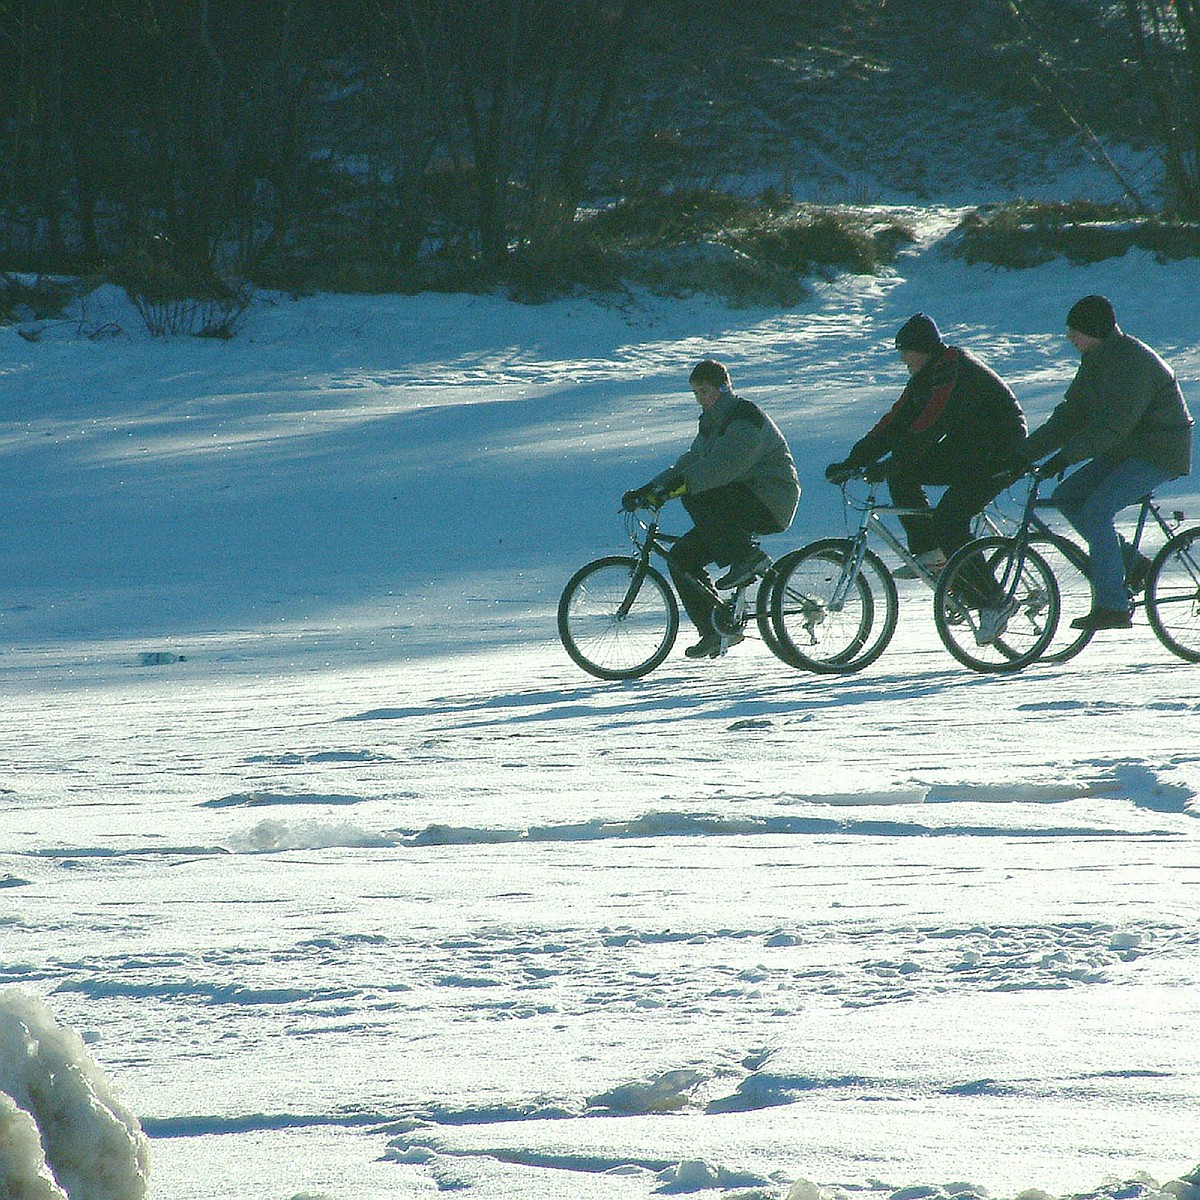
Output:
x=736 y=480
x=1124 y=411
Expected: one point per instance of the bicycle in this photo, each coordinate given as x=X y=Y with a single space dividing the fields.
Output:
x=835 y=606
x=618 y=616
x=1169 y=586
x=1172 y=594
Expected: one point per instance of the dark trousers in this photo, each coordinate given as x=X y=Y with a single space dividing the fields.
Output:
x=726 y=520
x=947 y=524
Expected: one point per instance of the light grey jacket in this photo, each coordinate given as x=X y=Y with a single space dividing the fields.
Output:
x=1124 y=402
x=738 y=442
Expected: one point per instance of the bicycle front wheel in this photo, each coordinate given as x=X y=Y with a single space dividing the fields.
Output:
x=992 y=616
x=827 y=620
x=1173 y=595
x=618 y=618
x=1069 y=562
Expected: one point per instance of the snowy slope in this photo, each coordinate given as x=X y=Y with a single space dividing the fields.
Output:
x=355 y=886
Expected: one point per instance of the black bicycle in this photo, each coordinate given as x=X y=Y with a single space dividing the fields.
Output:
x=1166 y=583
x=618 y=616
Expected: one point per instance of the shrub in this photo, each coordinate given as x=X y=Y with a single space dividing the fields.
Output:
x=661 y=218
x=38 y=299
x=175 y=299
x=566 y=265
x=1028 y=233
x=820 y=238
x=715 y=268
x=747 y=251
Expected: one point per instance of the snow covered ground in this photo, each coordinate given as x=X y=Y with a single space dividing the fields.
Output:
x=356 y=887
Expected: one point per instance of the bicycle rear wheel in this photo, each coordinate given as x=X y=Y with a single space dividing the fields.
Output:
x=1069 y=562
x=826 y=623
x=1173 y=595
x=617 y=618
x=983 y=577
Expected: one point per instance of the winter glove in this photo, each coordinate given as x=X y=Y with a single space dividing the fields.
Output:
x=839 y=472
x=877 y=472
x=1010 y=468
x=649 y=495
x=1056 y=464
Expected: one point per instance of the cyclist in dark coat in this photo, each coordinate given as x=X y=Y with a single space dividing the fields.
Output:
x=957 y=424
x=1124 y=411
x=736 y=480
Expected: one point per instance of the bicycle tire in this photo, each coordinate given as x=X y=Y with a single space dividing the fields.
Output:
x=1173 y=594
x=618 y=618
x=1032 y=598
x=823 y=639
x=762 y=616
x=1069 y=562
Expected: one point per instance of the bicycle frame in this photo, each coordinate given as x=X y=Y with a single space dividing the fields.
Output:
x=732 y=610
x=1028 y=525
x=871 y=523
x=645 y=547
x=1150 y=511
x=1150 y=514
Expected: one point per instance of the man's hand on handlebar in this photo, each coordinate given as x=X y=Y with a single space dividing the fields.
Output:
x=652 y=495
x=840 y=472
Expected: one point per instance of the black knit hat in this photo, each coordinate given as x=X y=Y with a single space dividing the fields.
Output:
x=919 y=333
x=1093 y=315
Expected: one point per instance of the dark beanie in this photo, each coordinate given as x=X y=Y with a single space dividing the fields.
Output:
x=919 y=333
x=1092 y=315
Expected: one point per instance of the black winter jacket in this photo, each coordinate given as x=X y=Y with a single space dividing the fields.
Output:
x=956 y=414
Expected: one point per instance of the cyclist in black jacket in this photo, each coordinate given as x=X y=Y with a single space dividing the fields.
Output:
x=956 y=425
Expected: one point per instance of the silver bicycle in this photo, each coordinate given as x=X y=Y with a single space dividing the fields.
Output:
x=835 y=605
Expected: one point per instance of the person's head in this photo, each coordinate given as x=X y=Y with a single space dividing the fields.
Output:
x=918 y=340
x=707 y=379
x=1090 y=321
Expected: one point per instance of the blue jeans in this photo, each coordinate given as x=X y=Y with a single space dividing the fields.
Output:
x=1090 y=498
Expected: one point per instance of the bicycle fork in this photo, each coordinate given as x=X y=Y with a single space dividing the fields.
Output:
x=636 y=579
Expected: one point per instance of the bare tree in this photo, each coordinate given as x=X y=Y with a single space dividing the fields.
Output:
x=575 y=94
x=410 y=57
x=1166 y=40
x=42 y=62
x=222 y=116
x=196 y=134
x=536 y=81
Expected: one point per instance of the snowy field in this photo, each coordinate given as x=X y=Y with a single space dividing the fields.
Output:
x=355 y=887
